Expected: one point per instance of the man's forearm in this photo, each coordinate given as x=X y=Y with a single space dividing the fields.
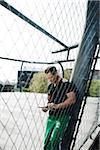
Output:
x=68 y=102
x=65 y=104
x=62 y=105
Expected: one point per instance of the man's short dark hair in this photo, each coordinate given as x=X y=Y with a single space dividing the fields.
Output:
x=52 y=70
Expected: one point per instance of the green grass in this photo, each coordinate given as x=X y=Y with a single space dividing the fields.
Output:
x=94 y=90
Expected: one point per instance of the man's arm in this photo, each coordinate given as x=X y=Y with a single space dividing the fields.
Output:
x=68 y=102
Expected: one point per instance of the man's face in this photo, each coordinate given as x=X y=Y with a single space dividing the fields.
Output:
x=52 y=78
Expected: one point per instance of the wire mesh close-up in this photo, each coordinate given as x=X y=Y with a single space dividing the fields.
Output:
x=49 y=75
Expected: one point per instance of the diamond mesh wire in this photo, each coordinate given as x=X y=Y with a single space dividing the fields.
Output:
x=22 y=123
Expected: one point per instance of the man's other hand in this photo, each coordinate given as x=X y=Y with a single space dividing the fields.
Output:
x=45 y=108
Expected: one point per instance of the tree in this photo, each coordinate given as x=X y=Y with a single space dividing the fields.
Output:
x=67 y=74
x=38 y=83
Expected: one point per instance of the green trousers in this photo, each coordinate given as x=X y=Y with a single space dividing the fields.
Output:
x=54 y=132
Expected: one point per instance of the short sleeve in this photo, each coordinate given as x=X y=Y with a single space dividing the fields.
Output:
x=71 y=87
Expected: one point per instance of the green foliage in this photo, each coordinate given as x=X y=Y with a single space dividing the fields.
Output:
x=38 y=83
x=67 y=73
x=95 y=88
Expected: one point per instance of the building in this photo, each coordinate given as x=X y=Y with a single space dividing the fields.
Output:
x=6 y=87
x=96 y=75
x=24 y=78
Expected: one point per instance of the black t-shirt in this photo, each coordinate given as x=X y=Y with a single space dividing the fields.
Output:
x=58 y=94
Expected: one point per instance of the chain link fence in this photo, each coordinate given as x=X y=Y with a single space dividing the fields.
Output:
x=31 y=35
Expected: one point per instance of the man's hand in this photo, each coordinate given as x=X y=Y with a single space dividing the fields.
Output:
x=45 y=108
x=52 y=106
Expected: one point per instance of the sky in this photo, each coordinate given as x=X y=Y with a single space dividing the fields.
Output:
x=65 y=20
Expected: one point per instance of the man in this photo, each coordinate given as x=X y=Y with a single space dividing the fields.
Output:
x=61 y=95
